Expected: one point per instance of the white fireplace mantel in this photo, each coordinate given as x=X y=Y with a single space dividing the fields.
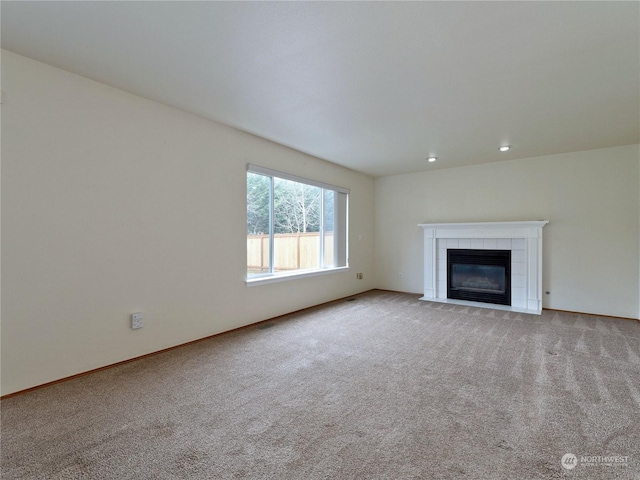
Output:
x=523 y=239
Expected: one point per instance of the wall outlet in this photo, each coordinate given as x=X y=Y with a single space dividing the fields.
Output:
x=359 y=276
x=136 y=320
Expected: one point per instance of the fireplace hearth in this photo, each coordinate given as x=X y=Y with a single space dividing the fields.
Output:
x=479 y=275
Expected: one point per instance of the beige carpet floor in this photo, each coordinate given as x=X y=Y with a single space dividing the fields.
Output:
x=383 y=386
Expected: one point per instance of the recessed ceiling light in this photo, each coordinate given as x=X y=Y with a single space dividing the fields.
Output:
x=431 y=159
x=504 y=148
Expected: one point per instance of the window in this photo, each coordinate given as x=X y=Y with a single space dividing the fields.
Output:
x=294 y=225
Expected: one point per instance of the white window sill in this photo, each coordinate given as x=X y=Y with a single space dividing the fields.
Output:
x=283 y=277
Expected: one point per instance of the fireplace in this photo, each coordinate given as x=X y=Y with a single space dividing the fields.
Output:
x=479 y=275
x=522 y=239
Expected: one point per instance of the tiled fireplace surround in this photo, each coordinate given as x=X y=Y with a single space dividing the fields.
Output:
x=524 y=239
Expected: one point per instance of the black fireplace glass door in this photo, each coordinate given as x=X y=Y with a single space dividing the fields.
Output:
x=479 y=275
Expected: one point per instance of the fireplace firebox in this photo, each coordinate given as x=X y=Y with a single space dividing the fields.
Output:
x=479 y=275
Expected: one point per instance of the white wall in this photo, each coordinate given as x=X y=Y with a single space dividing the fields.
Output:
x=590 y=246
x=113 y=204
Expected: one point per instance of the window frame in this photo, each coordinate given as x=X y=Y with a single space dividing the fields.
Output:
x=342 y=255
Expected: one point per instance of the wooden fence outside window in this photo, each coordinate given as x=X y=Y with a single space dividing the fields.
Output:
x=291 y=251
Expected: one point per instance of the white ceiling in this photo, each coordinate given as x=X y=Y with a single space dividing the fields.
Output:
x=374 y=86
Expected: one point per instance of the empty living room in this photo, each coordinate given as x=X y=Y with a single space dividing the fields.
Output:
x=320 y=240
